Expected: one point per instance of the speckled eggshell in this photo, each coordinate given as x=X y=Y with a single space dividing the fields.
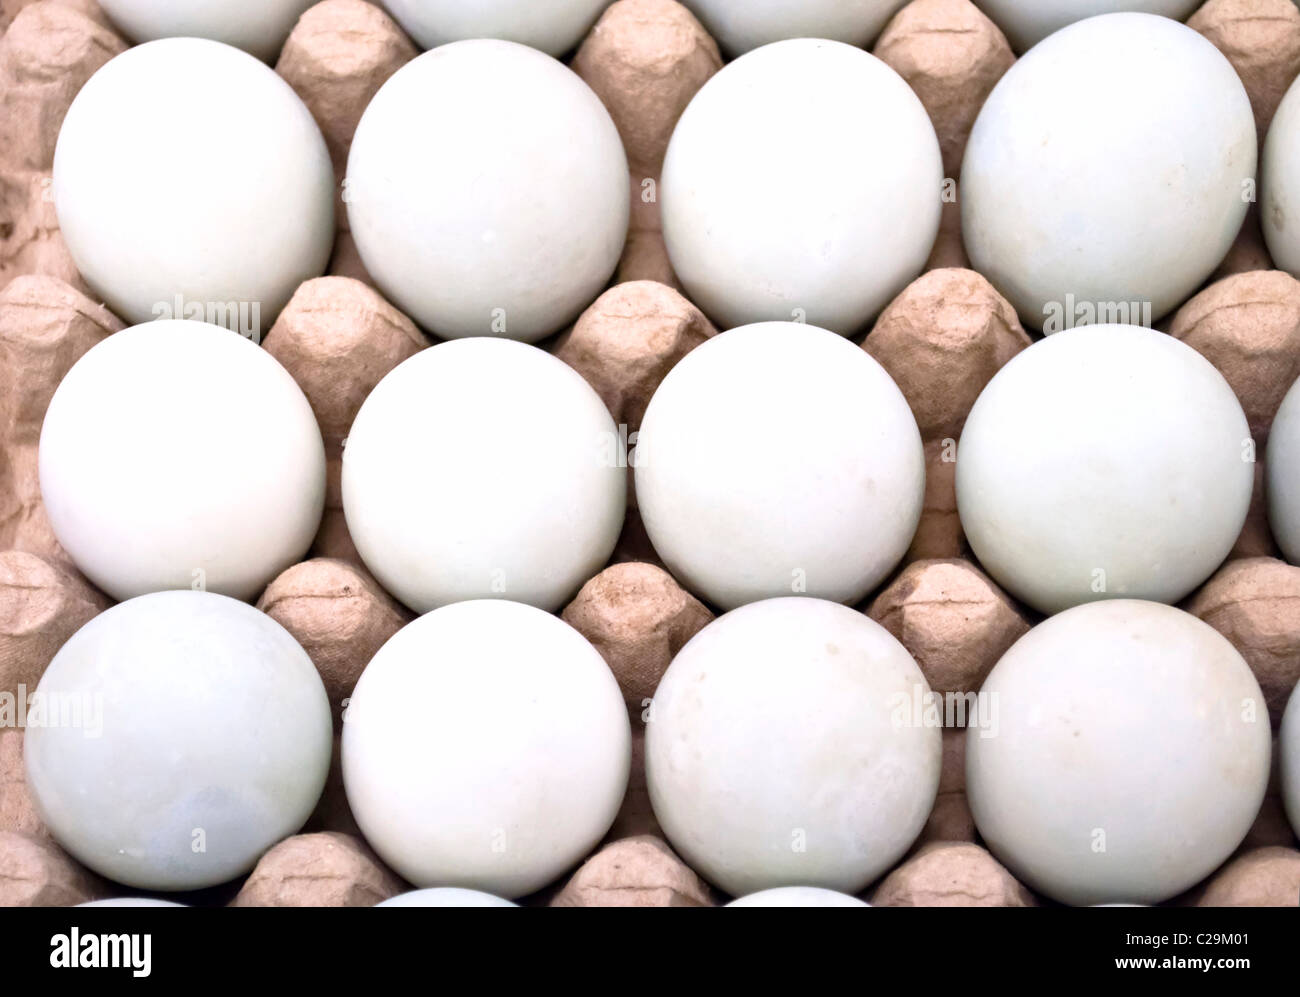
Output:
x=782 y=748
x=1087 y=182
x=204 y=739
x=486 y=746
x=779 y=458
x=1130 y=756
x=1104 y=462
x=802 y=182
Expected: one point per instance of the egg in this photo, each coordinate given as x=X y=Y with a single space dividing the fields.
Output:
x=803 y=182
x=1282 y=475
x=445 y=896
x=1089 y=193
x=555 y=27
x=484 y=468
x=1026 y=24
x=1104 y=462
x=181 y=735
x=191 y=182
x=486 y=746
x=487 y=191
x=257 y=26
x=739 y=27
x=178 y=454
x=131 y=902
x=782 y=747
x=1130 y=757
x=1279 y=195
x=1288 y=744
x=779 y=458
x=797 y=896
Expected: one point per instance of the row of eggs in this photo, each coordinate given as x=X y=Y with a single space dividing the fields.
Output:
x=454 y=896
x=261 y=26
x=487 y=189
x=1117 y=753
x=774 y=459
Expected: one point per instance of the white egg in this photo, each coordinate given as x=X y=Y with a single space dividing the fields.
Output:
x=1288 y=744
x=257 y=26
x=191 y=182
x=1280 y=184
x=182 y=734
x=802 y=182
x=783 y=747
x=779 y=458
x=1104 y=462
x=177 y=454
x=484 y=468
x=446 y=896
x=487 y=191
x=555 y=26
x=1026 y=24
x=486 y=746
x=798 y=896
x=131 y=902
x=1282 y=475
x=1108 y=172
x=1130 y=756
x=739 y=27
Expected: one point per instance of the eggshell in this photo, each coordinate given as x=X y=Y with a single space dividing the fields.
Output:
x=1076 y=796
x=485 y=746
x=1087 y=195
x=775 y=208
x=803 y=475
x=751 y=792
